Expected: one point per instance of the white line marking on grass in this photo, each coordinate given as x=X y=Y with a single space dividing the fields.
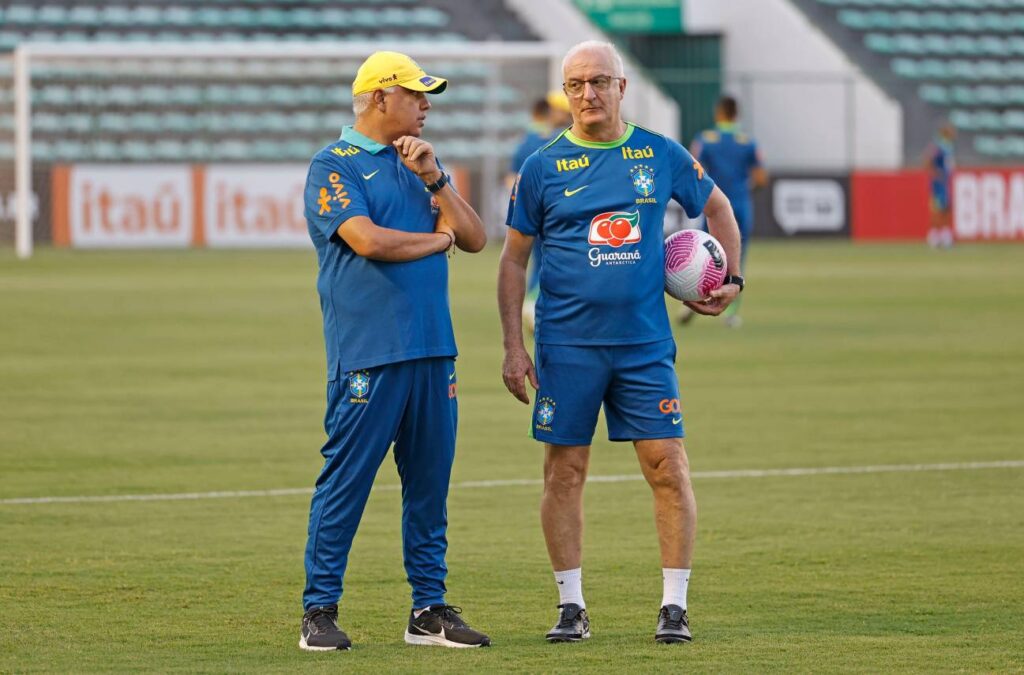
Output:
x=621 y=478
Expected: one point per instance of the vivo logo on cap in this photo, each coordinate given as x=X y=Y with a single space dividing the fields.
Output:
x=427 y=81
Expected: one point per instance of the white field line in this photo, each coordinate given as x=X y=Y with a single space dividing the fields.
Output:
x=621 y=478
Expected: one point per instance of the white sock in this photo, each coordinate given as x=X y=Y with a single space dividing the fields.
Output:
x=675 y=583
x=570 y=587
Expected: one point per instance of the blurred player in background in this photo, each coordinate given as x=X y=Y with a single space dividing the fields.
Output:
x=939 y=162
x=733 y=160
x=549 y=116
x=382 y=214
x=596 y=198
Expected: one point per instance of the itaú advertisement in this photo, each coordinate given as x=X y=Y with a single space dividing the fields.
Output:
x=119 y=206
x=254 y=205
x=179 y=205
x=988 y=204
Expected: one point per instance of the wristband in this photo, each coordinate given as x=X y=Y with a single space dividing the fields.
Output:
x=734 y=279
x=441 y=182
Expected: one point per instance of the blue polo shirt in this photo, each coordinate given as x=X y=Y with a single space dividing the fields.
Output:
x=536 y=138
x=375 y=312
x=598 y=210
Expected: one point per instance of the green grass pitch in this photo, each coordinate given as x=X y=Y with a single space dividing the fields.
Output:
x=148 y=372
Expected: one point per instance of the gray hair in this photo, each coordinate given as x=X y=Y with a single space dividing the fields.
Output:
x=597 y=45
x=361 y=102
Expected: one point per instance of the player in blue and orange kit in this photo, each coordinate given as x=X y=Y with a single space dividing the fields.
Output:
x=596 y=198
x=939 y=162
x=734 y=161
x=381 y=213
x=550 y=116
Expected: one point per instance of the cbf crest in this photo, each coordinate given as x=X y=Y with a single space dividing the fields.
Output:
x=643 y=179
x=545 y=413
x=359 y=386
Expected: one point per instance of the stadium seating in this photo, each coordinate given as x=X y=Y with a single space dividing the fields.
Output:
x=962 y=59
x=230 y=110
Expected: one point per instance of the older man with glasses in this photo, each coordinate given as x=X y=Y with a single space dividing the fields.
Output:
x=595 y=197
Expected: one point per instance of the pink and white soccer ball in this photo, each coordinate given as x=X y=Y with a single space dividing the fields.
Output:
x=694 y=265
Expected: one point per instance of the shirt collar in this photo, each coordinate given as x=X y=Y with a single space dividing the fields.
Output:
x=728 y=127
x=353 y=137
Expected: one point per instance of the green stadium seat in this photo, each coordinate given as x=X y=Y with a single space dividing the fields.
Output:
x=52 y=15
x=9 y=40
x=85 y=16
x=178 y=16
x=935 y=94
x=116 y=15
x=105 y=150
x=24 y=15
x=147 y=16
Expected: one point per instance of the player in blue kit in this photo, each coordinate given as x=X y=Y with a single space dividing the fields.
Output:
x=733 y=160
x=595 y=197
x=939 y=162
x=550 y=116
x=382 y=214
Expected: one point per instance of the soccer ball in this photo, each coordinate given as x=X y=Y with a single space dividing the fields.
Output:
x=694 y=265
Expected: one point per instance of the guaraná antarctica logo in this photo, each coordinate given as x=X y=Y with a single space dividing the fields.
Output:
x=614 y=228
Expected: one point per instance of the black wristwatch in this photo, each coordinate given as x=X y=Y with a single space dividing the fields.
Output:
x=734 y=279
x=441 y=182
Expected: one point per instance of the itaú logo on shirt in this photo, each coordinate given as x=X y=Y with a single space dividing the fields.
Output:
x=614 y=228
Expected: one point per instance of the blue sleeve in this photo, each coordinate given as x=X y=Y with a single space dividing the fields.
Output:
x=691 y=186
x=526 y=206
x=331 y=196
x=755 y=156
x=519 y=157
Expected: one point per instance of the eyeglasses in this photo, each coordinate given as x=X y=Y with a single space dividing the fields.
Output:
x=600 y=84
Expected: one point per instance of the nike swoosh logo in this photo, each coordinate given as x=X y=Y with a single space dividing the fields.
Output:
x=677 y=420
x=368 y=176
x=452 y=376
x=427 y=632
x=570 y=193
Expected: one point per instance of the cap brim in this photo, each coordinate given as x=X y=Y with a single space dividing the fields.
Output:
x=436 y=86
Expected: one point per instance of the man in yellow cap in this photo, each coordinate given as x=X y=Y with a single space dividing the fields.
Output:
x=381 y=214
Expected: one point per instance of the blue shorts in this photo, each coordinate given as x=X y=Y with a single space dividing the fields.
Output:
x=940 y=197
x=636 y=383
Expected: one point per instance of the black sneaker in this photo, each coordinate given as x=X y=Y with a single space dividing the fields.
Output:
x=320 y=632
x=673 y=625
x=442 y=626
x=573 y=625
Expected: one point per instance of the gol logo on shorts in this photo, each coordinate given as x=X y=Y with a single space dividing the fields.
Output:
x=668 y=405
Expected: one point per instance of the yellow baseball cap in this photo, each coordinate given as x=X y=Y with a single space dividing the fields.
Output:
x=557 y=99
x=386 y=69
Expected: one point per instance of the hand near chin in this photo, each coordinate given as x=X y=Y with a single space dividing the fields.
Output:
x=418 y=156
